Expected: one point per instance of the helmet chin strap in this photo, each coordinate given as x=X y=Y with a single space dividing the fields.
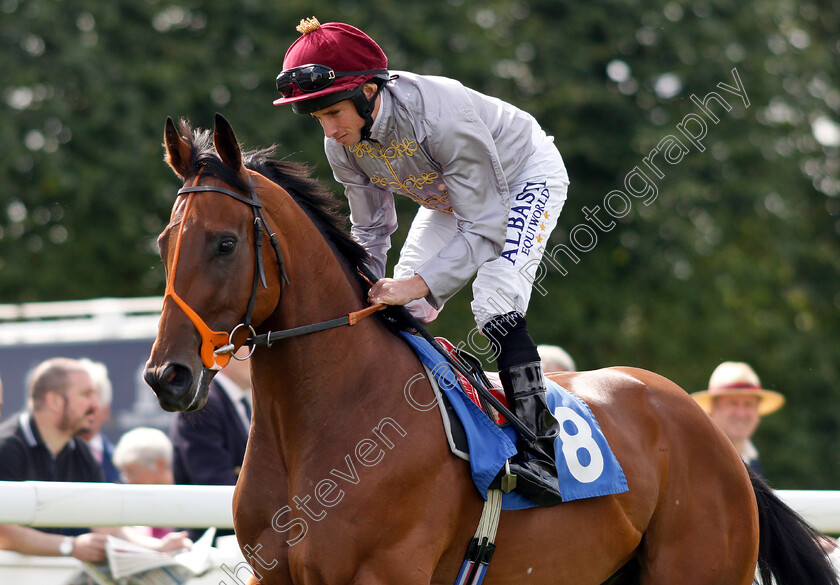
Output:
x=366 y=106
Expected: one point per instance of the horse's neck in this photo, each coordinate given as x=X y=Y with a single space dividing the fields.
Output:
x=319 y=286
x=310 y=385
x=327 y=390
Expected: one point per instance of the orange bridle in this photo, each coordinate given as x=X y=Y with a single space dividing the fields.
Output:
x=210 y=340
x=217 y=347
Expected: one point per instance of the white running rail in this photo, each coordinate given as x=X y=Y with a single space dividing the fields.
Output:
x=35 y=503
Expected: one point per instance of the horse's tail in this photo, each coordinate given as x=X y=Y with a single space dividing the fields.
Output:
x=788 y=547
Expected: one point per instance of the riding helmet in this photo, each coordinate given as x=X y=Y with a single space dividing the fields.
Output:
x=343 y=48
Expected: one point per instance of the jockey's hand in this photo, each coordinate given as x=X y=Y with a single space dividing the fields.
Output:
x=398 y=292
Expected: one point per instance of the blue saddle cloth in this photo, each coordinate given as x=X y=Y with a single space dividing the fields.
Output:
x=586 y=466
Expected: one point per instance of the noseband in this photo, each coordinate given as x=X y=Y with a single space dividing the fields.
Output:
x=217 y=347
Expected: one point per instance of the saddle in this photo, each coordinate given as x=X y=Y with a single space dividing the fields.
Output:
x=490 y=380
x=586 y=466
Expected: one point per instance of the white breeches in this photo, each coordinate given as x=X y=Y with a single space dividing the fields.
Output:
x=502 y=285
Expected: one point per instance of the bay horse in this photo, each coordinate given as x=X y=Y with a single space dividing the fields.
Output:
x=346 y=480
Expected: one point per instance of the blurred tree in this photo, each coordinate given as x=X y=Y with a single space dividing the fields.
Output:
x=736 y=257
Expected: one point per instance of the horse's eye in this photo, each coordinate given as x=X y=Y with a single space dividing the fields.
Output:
x=227 y=246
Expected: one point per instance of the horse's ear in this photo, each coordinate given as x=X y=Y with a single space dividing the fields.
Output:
x=226 y=145
x=178 y=152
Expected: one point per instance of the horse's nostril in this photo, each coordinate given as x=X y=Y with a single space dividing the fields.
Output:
x=170 y=382
x=172 y=373
x=176 y=378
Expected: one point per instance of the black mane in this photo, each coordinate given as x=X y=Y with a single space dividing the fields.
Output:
x=312 y=195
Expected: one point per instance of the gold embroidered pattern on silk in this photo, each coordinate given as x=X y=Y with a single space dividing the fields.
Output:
x=398 y=150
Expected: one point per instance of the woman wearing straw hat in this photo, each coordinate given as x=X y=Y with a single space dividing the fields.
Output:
x=736 y=402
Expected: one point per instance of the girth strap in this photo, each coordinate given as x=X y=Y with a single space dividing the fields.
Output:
x=482 y=546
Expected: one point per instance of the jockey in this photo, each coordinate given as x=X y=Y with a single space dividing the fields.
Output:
x=490 y=185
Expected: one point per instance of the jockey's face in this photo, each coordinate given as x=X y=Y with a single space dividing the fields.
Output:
x=341 y=122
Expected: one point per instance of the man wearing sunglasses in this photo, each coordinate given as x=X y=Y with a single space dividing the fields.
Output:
x=490 y=185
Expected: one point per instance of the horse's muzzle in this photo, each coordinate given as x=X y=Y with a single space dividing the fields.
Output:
x=175 y=387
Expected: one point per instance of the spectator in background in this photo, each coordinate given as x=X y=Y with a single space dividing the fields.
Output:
x=40 y=445
x=736 y=402
x=6 y=532
x=144 y=456
x=210 y=443
x=100 y=446
x=556 y=359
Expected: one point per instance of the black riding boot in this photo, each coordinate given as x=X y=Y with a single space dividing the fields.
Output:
x=534 y=464
x=522 y=379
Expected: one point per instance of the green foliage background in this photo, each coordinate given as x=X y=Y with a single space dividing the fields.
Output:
x=736 y=258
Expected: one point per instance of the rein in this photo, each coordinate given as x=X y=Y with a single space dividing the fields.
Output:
x=350 y=319
x=217 y=347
